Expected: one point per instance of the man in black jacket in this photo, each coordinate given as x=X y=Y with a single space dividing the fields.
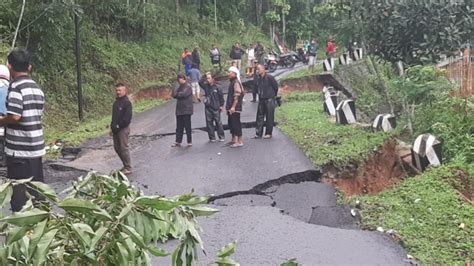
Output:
x=267 y=88
x=120 y=126
x=236 y=55
x=214 y=105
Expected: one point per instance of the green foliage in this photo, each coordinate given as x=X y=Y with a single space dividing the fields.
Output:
x=303 y=120
x=224 y=253
x=427 y=213
x=303 y=73
x=414 y=32
x=419 y=85
x=291 y=262
x=450 y=119
x=103 y=220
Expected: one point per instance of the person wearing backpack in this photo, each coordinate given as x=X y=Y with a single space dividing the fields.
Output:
x=213 y=107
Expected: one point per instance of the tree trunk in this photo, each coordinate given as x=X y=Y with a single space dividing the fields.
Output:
x=215 y=14
x=283 y=21
x=177 y=7
x=381 y=83
x=19 y=23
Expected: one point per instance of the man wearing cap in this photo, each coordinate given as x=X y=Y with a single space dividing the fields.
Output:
x=233 y=106
x=24 y=129
x=267 y=88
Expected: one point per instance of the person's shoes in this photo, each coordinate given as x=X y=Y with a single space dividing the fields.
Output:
x=212 y=140
x=176 y=144
x=221 y=139
x=237 y=145
x=256 y=137
x=126 y=171
x=199 y=100
x=267 y=136
x=190 y=144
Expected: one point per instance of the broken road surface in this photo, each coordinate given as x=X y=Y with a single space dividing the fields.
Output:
x=267 y=192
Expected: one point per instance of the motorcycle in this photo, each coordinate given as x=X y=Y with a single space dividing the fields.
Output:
x=302 y=56
x=288 y=59
x=271 y=62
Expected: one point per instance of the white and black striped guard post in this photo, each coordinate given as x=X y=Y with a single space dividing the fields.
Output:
x=344 y=59
x=358 y=54
x=384 y=122
x=346 y=112
x=328 y=64
x=426 y=151
x=330 y=103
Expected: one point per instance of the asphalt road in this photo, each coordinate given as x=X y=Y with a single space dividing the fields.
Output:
x=267 y=191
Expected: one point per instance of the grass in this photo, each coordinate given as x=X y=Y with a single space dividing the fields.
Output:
x=93 y=127
x=425 y=210
x=304 y=73
x=303 y=120
x=427 y=213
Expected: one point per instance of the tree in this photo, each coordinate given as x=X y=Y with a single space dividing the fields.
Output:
x=414 y=32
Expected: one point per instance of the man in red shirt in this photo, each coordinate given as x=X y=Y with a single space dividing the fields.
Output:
x=331 y=48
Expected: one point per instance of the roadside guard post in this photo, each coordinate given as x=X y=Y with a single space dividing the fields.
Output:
x=346 y=112
x=358 y=54
x=328 y=64
x=426 y=151
x=344 y=59
x=330 y=101
x=384 y=122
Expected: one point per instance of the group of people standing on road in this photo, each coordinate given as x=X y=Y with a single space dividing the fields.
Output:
x=214 y=103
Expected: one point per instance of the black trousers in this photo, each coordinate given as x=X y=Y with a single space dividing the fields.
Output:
x=23 y=168
x=235 y=125
x=213 y=123
x=183 y=122
x=254 y=92
x=265 y=116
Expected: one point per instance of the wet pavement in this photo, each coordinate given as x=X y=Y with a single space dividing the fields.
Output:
x=268 y=192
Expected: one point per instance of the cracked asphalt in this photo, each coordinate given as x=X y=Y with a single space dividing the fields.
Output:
x=267 y=192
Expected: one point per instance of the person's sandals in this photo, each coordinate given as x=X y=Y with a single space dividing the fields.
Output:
x=176 y=144
x=126 y=171
x=267 y=136
x=229 y=143
x=237 y=145
x=256 y=137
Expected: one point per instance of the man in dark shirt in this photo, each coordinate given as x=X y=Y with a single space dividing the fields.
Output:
x=267 y=88
x=214 y=105
x=120 y=126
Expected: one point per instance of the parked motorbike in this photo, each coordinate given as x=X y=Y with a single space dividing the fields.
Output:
x=271 y=62
x=302 y=56
x=288 y=59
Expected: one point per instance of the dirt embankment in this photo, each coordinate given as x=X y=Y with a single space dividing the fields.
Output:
x=305 y=84
x=382 y=169
x=153 y=92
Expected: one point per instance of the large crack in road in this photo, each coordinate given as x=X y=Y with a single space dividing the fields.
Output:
x=268 y=192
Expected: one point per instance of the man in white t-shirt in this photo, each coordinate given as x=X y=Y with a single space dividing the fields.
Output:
x=250 y=60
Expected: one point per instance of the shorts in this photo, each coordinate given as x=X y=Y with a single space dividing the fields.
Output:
x=195 y=87
x=312 y=60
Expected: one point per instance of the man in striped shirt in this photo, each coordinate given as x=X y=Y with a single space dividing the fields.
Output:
x=24 y=131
